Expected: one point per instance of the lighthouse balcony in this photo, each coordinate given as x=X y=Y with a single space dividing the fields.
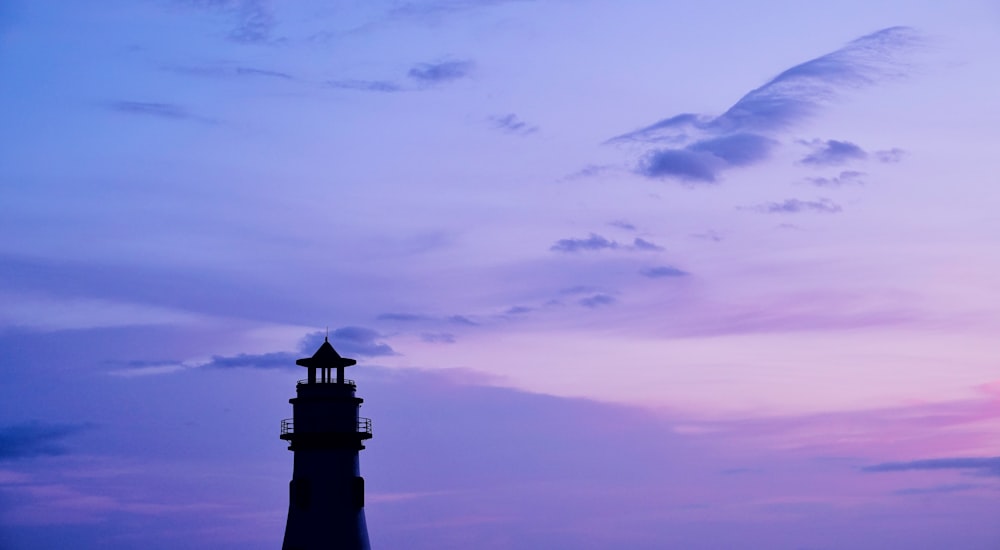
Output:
x=363 y=429
x=346 y=382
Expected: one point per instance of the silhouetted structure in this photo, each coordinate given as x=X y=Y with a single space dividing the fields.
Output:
x=327 y=492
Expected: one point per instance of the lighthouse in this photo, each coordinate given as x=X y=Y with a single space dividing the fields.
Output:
x=327 y=493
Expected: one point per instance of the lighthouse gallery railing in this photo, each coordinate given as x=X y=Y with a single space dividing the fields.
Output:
x=364 y=426
x=319 y=381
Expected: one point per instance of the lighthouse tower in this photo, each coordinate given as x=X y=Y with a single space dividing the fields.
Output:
x=327 y=492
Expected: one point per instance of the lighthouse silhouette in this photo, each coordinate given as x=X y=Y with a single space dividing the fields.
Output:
x=327 y=493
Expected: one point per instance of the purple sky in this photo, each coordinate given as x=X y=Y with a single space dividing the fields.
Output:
x=643 y=274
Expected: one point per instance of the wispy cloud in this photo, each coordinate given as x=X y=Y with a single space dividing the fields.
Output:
x=832 y=152
x=461 y=320
x=384 y=86
x=622 y=224
x=511 y=124
x=169 y=111
x=593 y=242
x=589 y=171
x=420 y=318
x=597 y=242
x=846 y=177
x=987 y=466
x=225 y=71
x=438 y=337
x=597 y=300
x=709 y=235
x=890 y=155
x=663 y=271
x=273 y=360
x=253 y=21
x=426 y=74
x=794 y=206
x=703 y=160
x=936 y=489
x=642 y=244
x=348 y=341
x=33 y=439
x=405 y=317
x=443 y=71
x=703 y=146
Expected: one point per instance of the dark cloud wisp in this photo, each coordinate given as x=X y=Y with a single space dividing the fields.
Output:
x=596 y=242
x=34 y=439
x=702 y=161
x=794 y=206
x=846 y=177
x=987 y=466
x=833 y=152
x=444 y=71
x=349 y=341
x=383 y=86
x=154 y=109
x=511 y=124
x=597 y=300
x=663 y=271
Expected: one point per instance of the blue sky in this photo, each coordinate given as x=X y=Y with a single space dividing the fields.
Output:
x=687 y=274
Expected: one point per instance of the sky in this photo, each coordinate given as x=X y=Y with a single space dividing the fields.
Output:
x=634 y=274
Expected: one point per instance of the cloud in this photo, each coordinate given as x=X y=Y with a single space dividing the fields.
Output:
x=511 y=124
x=422 y=318
x=253 y=20
x=701 y=146
x=349 y=341
x=229 y=72
x=365 y=85
x=427 y=74
x=438 y=337
x=794 y=206
x=987 y=466
x=352 y=340
x=462 y=320
x=34 y=439
x=643 y=244
x=890 y=155
x=662 y=271
x=588 y=171
x=832 y=152
x=680 y=164
x=597 y=242
x=709 y=235
x=937 y=489
x=597 y=300
x=405 y=317
x=518 y=310
x=593 y=242
x=154 y=109
x=622 y=224
x=846 y=177
x=445 y=71
x=273 y=360
x=703 y=160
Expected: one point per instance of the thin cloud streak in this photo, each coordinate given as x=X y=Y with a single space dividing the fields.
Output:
x=987 y=466
x=795 y=206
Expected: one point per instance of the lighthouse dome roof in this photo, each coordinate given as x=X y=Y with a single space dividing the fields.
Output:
x=325 y=357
